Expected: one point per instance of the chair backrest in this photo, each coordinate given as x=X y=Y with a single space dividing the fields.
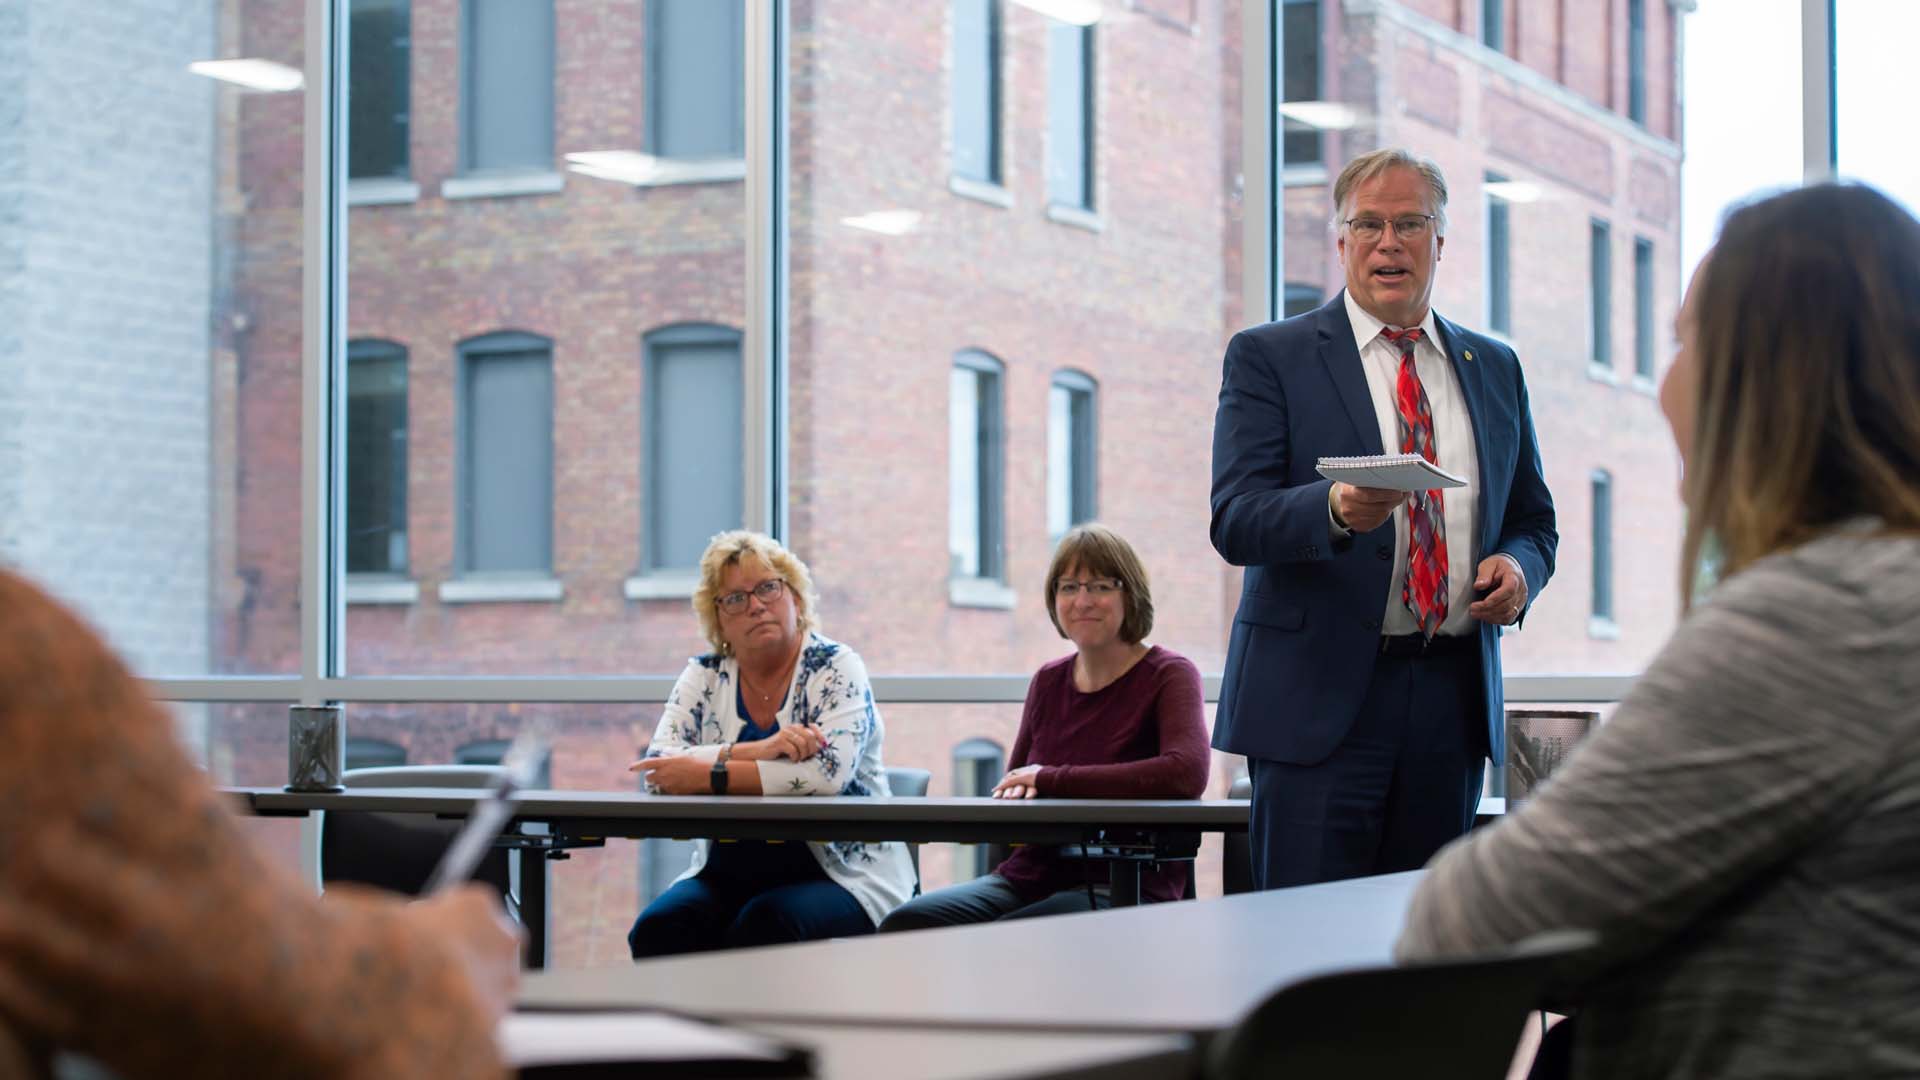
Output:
x=905 y=781
x=1456 y=1018
x=397 y=852
x=910 y=782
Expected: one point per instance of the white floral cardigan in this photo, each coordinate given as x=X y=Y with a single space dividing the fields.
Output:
x=830 y=692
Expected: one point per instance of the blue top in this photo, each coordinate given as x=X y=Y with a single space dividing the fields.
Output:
x=767 y=863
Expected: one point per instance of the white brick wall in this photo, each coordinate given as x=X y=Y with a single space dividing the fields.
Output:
x=107 y=199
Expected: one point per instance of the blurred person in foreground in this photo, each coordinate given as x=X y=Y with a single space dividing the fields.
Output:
x=774 y=709
x=1744 y=833
x=1115 y=719
x=141 y=929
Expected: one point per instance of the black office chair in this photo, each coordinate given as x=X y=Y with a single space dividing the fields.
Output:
x=907 y=782
x=397 y=852
x=1448 y=1019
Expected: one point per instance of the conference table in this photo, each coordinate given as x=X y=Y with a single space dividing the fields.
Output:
x=1177 y=973
x=1129 y=833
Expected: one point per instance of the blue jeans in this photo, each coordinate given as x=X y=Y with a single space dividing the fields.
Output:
x=727 y=911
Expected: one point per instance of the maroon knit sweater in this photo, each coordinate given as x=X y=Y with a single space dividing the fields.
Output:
x=1144 y=736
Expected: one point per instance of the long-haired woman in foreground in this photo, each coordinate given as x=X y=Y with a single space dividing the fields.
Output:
x=1744 y=834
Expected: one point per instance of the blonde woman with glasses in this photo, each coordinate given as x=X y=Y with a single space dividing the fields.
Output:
x=775 y=709
x=1115 y=719
x=1744 y=833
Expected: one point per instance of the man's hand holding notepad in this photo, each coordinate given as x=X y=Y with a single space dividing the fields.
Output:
x=1393 y=472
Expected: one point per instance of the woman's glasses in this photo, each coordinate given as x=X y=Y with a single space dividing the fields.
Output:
x=1098 y=587
x=736 y=602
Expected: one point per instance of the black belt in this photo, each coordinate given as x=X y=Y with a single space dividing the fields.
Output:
x=1416 y=645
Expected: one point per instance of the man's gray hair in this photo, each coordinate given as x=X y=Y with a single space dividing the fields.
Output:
x=1372 y=164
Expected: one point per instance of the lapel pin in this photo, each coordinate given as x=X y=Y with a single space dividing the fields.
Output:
x=1469 y=355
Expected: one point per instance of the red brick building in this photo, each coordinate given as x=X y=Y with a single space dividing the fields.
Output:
x=1014 y=257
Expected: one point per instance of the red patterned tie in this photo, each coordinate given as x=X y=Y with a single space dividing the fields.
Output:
x=1425 y=590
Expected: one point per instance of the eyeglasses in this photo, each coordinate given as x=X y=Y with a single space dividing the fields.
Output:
x=1408 y=227
x=1097 y=588
x=736 y=602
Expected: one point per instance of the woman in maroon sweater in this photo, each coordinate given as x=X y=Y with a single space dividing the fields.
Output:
x=1118 y=719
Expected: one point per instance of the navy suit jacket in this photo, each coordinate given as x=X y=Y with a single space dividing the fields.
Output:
x=1307 y=632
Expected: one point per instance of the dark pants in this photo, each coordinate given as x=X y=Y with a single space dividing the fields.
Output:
x=987 y=898
x=1404 y=782
x=732 y=906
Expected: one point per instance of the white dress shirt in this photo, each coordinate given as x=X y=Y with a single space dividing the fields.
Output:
x=1453 y=446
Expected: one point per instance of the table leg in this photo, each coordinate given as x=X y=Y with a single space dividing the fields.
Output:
x=1124 y=875
x=535 y=914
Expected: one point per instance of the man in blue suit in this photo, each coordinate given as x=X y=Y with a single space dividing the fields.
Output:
x=1363 y=672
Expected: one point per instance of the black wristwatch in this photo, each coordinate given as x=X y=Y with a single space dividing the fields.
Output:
x=717 y=776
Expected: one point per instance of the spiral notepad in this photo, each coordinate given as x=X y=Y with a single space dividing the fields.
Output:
x=1395 y=472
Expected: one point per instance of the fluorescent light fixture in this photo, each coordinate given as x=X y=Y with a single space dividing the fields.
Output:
x=625 y=166
x=885 y=222
x=1077 y=12
x=1324 y=115
x=1515 y=191
x=262 y=75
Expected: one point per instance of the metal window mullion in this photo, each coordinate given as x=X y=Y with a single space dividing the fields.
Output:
x=1820 y=136
x=1260 y=223
x=888 y=690
x=762 y=352
x=323 y=224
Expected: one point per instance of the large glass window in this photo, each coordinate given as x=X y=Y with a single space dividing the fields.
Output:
x=171 y=248
x=380 y=94
x=976 y=90
x=507 y=88
x=693 y=461
x=123 y=342
x=1072 y=452
x=506 y=473
x=1070 y=120
x=695 y=104
x=376 y=462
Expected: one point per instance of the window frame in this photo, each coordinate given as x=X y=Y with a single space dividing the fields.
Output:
x=362 y=351
x=1600 y=582
x=1643 y=304
x=671 y=336
x=468 y=354
x=1499 y=255
x=990 y=487
x=1083 y=142
x=402 y=88
x=1600 y=295
x=1083 y=448
x=470 y=118
x=657 y=99
x=995 y=95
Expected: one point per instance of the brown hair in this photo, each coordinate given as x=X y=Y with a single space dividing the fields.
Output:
x=730 y=549
x=1369 y=165
x=1098 y=550
x=1807 y=369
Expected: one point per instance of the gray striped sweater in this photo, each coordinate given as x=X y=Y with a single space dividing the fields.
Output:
x=1744 y=834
